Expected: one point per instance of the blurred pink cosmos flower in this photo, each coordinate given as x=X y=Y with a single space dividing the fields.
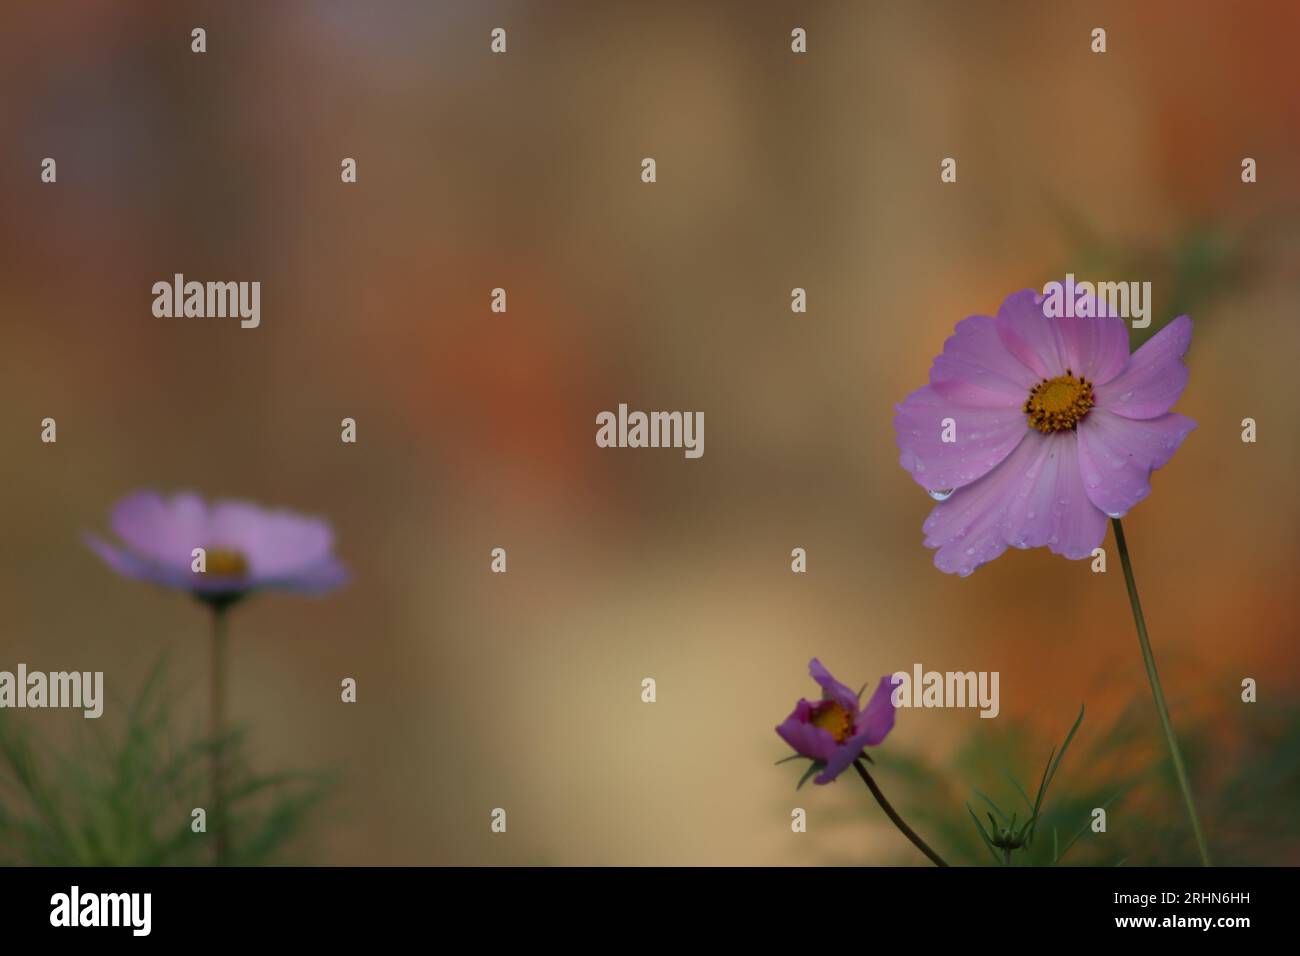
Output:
x=247 y=548
x=833 y=730
x=1056 y=427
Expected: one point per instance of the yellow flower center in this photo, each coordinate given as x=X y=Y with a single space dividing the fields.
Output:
x=830 y=716
x=224 y=563
x=1057 y=404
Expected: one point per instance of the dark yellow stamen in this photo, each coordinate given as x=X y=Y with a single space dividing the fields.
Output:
x=225 y=563
x=832 y=717
x=1057 y=404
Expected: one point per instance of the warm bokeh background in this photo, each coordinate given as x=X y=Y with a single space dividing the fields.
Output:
x=476 y=430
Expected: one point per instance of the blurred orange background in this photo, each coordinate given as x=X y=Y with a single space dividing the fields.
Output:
x=476 y=430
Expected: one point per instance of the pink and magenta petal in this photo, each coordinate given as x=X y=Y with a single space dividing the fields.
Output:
x=162 y=531
x=876 y=719
x=1035 y=498
x=130 y=565
x=277 y=544
x=320 y=578
x=805 y=738
x=1117 y=455
x=839 y=761
x=832 y=688
x=1078 y=527
x=1051 y=509
x=1029 y=335
x=1154 y=377
x=1030 y=516
x=967 y=528
x=984 y=437
x=976 y=369
x=1096 y=348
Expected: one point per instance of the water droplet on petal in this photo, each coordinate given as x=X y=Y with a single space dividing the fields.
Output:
x=941 y=495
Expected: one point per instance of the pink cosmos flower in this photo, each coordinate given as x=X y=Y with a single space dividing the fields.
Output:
x=247 y=548
x=833 y=730
x=1056 y=427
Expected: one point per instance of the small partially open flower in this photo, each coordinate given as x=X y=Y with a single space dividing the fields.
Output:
x=246 y=548
x=832 y=731
x=1010 y=837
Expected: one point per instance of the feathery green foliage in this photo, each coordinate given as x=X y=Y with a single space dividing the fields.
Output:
x=126 y=799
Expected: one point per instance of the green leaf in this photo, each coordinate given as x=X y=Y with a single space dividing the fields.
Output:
x=1054 y=765
x=814 y=767
x=1049 y=773
x=986 y=799
x=1019 y=789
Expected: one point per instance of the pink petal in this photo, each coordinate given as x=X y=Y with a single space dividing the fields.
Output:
x=1078 y=528
x=976 y=368
x=839 y=761
x=276 y=543
x=984 y=437
x=163 y=531
x=1095 y=348
x=1031 y=516
x=1051 y=507
x=319 y=578
x=832 y=688
x=1034 y=498
x=966 y=528
x=876 y=719
x=806 y=738
x=131 y=565
x=1029 y=335
x=1155 y=375
x=1117 y=455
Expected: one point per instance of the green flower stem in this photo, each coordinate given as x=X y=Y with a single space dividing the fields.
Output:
x=890 y=812
x=216 y=728
x=1161 y=707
